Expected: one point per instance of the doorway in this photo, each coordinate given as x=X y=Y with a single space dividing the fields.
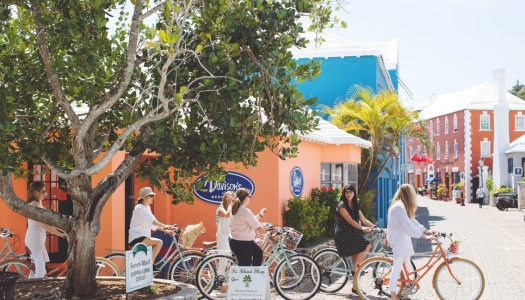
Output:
x=475 y=185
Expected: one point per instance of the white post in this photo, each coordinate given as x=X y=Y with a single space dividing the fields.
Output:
x=501 y=130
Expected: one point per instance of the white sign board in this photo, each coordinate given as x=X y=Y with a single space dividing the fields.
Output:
x=251 y=283
x=139 y=267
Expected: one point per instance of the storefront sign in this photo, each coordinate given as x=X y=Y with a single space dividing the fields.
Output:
x=139 y=267
x=518 y=171
x=212 y=191
x=297 y=181
x=249 y=283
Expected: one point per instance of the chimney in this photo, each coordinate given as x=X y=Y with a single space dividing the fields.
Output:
x=499 y=85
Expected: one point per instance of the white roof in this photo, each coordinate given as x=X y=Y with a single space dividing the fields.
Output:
x=480 y=97
x=336 y=46
x=331 y=134
x=518 y=146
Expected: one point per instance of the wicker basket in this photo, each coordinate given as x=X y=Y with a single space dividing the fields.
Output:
x=190 y=234
x=291 y=238
x=261 y=236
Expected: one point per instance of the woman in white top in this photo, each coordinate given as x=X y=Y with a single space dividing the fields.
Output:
x=36 y=232
x=143 y=222
x=223 y=215
x=402 y=226
x=243 y=225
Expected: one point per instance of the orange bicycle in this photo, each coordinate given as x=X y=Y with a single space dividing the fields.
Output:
x=454 y=278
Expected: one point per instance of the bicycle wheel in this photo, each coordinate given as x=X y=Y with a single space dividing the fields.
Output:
x=184 y=267
x=18 y=266
x=119 y=259
x=212 y=273
x=298 y=277
x=372 y=278
x=471 y=280
x=271 y=261
x=105 y=267
x=334 y=270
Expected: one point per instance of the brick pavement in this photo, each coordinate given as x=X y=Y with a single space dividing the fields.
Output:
x=493 y=239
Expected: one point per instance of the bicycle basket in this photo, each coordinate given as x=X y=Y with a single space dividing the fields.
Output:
x=190 y=234
x=291 y=238
x=260 y=236
x=454 y=246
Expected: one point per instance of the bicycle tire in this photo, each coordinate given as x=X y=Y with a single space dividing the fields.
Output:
x=374 y=285
x=184 y=267
x=105 y=267
x=119 y=259
x=309 y=281
x=472 y=280
x=330 y=260
x=18 y=266
x=212 y=273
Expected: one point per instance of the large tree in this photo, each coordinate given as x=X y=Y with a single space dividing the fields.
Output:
x=203 y=83
x=382 y=119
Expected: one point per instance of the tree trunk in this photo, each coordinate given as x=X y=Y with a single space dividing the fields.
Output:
x=80 y=278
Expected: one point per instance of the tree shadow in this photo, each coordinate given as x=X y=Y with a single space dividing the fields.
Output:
x=424 y=218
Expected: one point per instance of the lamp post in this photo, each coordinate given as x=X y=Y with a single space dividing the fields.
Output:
x=481 y=175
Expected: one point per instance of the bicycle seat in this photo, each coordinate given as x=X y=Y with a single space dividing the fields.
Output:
x=208 y=245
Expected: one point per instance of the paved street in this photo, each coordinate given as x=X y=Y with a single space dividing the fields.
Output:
x=494 y=240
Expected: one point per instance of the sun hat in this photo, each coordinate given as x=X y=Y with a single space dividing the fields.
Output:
x=147 y=191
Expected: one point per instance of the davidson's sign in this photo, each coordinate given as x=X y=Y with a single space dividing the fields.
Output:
x=212 y=191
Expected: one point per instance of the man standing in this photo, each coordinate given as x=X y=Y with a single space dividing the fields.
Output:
x=480 y=194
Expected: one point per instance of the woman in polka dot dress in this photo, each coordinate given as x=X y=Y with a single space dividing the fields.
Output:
x=349 y=234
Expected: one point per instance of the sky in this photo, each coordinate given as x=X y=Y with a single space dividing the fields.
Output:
x=444 y=45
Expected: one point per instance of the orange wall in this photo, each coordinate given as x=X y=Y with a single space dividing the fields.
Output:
x=15 y=222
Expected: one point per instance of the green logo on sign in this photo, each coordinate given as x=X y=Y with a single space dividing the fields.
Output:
x=247 y=279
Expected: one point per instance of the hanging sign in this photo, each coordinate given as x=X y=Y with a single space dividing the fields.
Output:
x=297 y=181
x=212 y=191
x=251 y=283
x=139 y=267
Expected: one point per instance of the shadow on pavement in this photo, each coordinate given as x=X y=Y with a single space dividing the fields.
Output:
x=424 y=218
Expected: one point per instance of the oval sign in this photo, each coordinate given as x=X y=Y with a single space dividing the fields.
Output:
x=297 y=181
x=212 y=191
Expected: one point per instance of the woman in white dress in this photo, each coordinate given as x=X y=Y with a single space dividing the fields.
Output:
x=36 y=232
x=222 y=219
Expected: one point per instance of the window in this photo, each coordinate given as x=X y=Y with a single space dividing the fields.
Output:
x=484 y=122
x=455 y=149
x=438 y=151
x=437 y=127
x=337 y=175
x=430 y=127
x=455 y=123
x=446 y=125
x=510 y=164
x=485 y=149
x=446 y=149
x=519 y=123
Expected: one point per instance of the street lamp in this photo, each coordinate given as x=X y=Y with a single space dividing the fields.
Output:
x=481 y=175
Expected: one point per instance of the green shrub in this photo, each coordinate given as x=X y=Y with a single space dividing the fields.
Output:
x=490 y=183
x=502 y=190
x=366 y=204
x=307 y=216
x=328 y=197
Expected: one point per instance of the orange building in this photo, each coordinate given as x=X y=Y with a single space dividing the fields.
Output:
x=326 y=157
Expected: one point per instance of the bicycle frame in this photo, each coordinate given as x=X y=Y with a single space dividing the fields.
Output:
x=170 y=255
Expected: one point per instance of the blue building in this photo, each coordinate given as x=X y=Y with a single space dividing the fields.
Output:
x=344 y=64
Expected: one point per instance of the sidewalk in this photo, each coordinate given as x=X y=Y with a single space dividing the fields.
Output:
x=493 y=239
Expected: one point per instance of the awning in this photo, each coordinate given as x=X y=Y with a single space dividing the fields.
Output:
x=432 y=179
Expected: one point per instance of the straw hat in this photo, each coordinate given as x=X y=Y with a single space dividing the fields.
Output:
x=147 y=191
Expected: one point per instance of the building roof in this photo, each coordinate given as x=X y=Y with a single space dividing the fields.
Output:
x=331 y=134
x=518 y=146
x=480 y=97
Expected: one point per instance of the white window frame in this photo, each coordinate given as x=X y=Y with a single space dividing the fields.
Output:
x=349 y=175
x=521 y=123
x=446 y=149
x=455 y=149
x=446 y=125
x=437 y=126
x=485 y=149
x=455 y=123
x=438 y=151
x=484 y=120
x=431 y=127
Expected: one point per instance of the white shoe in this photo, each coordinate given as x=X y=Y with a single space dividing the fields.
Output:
x=223 y=295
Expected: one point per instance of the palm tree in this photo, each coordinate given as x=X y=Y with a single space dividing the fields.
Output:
x=381 y=119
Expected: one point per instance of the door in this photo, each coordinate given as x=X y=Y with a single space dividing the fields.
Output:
x=56 y=200
x=130 y=205
x=475 y=185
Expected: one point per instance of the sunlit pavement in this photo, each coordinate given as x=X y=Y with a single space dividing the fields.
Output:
x=493 y=239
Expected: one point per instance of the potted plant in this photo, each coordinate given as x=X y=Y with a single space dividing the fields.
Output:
x=459 y=186
x=442 y=191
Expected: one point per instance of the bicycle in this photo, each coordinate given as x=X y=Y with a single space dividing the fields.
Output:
x=336 y=270
x=454 y=278
x=295 y=276
x=182 y=258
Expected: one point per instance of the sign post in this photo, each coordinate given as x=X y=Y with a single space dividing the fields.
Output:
x=139 y=267
x=249 y=283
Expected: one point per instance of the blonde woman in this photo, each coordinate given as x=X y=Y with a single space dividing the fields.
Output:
x=222 y=219
x=402 y=226
x=36 y=232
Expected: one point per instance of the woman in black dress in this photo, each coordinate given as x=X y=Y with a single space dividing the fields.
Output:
x=349 y=235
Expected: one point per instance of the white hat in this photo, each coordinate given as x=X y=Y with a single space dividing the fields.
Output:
x=147 y=191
